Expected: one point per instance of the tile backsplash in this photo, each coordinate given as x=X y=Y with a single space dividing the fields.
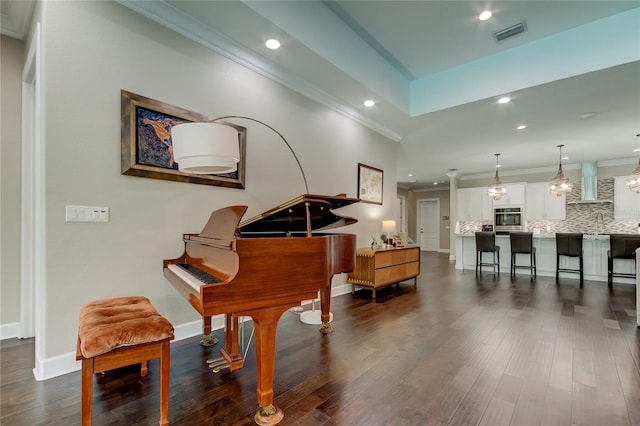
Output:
x=579 y=217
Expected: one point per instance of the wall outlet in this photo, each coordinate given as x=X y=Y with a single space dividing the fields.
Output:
x=87 y=214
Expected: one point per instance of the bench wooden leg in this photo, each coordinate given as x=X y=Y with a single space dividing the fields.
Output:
x=165 y=361
x=87 y=390
x=126 y=356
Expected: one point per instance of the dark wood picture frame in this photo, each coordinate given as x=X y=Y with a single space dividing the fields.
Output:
x=370 y=184
x=145 y=145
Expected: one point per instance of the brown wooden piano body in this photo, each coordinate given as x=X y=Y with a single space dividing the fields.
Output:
x=264 y=266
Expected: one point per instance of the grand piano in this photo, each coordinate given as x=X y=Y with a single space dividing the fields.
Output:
x=260 y=268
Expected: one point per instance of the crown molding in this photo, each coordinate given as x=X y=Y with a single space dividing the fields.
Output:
x=168 y=16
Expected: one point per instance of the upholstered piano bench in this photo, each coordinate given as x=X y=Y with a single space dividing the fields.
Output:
x=117 y=332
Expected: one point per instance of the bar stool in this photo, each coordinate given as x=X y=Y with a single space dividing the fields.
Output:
x=522 y=243
x=621 y=246
x=486 y=243
x=569 y=244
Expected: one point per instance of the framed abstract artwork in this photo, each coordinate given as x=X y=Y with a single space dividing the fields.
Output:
x=370 y=184
x=146 y=147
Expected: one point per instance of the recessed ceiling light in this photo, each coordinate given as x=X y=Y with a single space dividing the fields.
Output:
x=369 y=103
x=636 y=150
x=272 y=44
x=486 y=14
x=521 y=127
x=435 y=183
x=504 y=100
x=410 y=174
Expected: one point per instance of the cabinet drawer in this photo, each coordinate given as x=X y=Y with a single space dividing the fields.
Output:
x=396 y=273
x=397 y=256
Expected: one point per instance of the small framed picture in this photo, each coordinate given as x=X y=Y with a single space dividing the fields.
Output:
x=370 y=184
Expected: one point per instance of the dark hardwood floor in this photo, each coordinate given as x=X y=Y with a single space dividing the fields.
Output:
x=456 y=350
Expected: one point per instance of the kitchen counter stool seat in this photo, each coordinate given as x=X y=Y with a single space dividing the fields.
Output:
x=522 y=243
x=621 y=247
x=486 y=243
x=569 y=244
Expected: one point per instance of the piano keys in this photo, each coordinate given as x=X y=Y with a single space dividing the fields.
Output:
x=261 y=268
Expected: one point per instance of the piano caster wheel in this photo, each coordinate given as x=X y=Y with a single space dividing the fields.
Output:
x=208 y=340
x=326 y=328
x=268 y=415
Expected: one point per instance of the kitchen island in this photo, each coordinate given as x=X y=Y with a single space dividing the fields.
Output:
x=594 y=248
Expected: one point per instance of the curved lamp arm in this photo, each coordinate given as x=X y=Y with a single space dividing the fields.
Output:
x=212 y=147
x=306 y=186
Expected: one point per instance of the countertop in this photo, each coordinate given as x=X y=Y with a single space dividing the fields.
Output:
x=544 y=236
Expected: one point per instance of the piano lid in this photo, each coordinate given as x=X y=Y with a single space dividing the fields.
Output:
x=292 y=216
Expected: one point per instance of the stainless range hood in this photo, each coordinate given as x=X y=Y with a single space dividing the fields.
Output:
x=589 y=192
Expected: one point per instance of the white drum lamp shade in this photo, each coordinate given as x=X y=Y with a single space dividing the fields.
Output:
x=205 y=148
x=388 y=226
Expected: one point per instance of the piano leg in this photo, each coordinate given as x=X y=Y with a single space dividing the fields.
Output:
x=207 y=338
x=265 y=323
x=230 y=354
x=325 y=309
x=231 y=351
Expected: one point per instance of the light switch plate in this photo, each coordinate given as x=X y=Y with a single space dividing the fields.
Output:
x=87 y=214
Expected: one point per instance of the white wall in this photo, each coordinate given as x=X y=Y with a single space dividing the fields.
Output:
x=10 y=116
x=92 y=50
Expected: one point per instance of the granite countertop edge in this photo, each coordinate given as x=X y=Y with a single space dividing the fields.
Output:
x=540 y=236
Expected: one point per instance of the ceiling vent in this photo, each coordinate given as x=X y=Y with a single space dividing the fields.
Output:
x=511 y=31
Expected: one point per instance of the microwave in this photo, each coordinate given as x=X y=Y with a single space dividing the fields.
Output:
x=507 y=219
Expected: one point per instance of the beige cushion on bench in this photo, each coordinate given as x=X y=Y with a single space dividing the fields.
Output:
x=121 y=321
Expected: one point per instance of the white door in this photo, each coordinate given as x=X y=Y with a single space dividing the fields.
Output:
x=429 y=224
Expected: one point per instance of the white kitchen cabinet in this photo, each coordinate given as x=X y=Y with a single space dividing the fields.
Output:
x=474 y=204
x=626 y=204
x=515 y=196
x=541 y=204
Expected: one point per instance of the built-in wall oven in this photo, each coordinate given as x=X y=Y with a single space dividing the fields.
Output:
x=507 y=219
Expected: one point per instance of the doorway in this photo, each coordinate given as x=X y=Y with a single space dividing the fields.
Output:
x=32 y=257
x=429 y=224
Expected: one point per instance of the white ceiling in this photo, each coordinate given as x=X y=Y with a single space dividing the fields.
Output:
x=436 y=72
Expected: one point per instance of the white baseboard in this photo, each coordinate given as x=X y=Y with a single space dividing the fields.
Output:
x=49 y=368
x=8 y=331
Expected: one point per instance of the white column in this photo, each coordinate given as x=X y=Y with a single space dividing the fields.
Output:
x=453 y=212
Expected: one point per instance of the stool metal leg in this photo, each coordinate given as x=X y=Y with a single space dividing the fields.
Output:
x=494 y=263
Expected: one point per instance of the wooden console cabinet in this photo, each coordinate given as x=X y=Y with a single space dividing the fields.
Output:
x=377 y=268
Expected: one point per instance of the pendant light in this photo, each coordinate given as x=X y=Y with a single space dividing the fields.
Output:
x=633 y=181
x=497 y=190
x=560 y=184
